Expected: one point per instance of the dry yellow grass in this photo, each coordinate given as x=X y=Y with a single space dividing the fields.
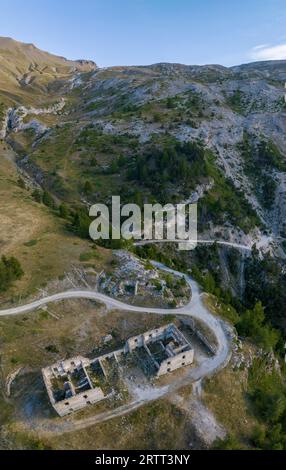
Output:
x=225 y=395
x=22 y=61
x=34 y=235
x=79 y=328
x=158 y=425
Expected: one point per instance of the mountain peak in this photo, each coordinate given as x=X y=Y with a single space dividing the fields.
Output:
x=24 y=66
x=24 y=54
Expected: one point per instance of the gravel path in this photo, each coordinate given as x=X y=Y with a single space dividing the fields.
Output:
x=194 y=308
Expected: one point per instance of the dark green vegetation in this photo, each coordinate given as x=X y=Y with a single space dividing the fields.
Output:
x=92 y=138
x=261 y=158
x=267 y=393
x=167 y=170
x=266 y=398
x=176 y=163
x=10 y=271
x=205 y=268
x=2 y=111
x=236 y=101
x=261 y=325
x=175 y=168
x=100 y=165
x=253 y=316
x=266 y=281
x=252 y=324
x=81 y=222
x=258 y=315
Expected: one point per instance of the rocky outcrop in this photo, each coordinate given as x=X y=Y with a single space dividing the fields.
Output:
x=214 y=104
x=14 y=120
x=4 y=124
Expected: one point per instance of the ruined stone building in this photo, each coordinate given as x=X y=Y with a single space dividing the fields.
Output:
x=75 y=383
x=167 y=348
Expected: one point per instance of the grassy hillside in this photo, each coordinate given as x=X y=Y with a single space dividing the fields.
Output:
x=28 y=75
x=164 y=133
x=32 y=233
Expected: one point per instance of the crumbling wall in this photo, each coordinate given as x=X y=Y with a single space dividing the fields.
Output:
x=145 y=338
x=77 y=402
x=206 y=341
x=172 y=363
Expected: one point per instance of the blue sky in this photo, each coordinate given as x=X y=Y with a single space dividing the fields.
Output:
x=128 y=32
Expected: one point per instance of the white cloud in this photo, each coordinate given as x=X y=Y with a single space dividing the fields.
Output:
x=267 y=52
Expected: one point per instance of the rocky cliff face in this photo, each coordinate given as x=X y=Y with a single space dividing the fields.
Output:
x=238 y=113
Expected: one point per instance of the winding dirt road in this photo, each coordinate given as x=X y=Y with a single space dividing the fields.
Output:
x=194 y=308
x=237 y=246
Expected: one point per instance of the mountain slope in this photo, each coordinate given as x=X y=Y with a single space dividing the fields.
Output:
x=26 y=71
x=73 y=135
x=76 y=121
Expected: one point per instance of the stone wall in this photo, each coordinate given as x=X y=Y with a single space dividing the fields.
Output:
x=145 y=338
x=78 y=402
x=172 y=363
